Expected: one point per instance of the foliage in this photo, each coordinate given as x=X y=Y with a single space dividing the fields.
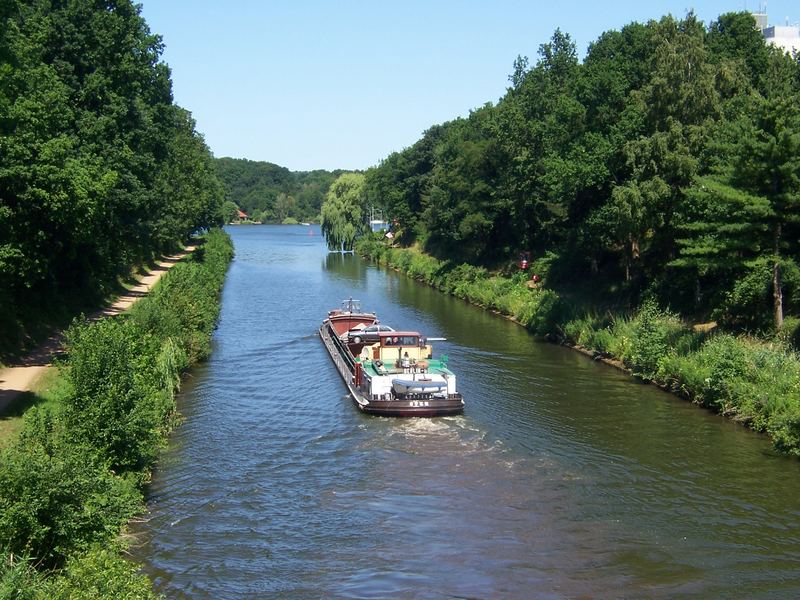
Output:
x=19 y=580
x=663 y=170
x=344 y=212
x=54 y=503
x=790 y=333
x=229 y=211
x=270 y=193
x=653 y=336
x=97 y=574
x=100 y=170
x=663 y=164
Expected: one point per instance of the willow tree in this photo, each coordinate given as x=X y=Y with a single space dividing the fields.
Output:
x=343 y=212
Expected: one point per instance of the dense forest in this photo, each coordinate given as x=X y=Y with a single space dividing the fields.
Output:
x=99 y=169
x=665 y=165
x=270 y=193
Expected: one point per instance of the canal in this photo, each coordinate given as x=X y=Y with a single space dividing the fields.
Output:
x=564 y=478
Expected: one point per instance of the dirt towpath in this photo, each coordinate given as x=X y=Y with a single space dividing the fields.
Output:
x=20 y=377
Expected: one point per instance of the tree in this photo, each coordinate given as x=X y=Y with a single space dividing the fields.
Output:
x=343 y=212
x=99 y=168
x=229 y=211
x=747 y=214
x=285 y=207
x=768 y=165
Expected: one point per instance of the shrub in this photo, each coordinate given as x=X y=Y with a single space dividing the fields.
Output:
x=70 y=481
x=53 y=504
x=99 y=574
x=790 y=332
x=599 y=340
x=685 y=375
x=18 y=579
x=543 y=315
x=542 y=265
x=785 y=430
x=114 y=406
x=622 y=336
x=653 y=333
x=746 y=305
x=727 y=365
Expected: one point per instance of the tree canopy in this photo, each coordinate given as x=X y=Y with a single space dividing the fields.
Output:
x=271 y=193
x=664 y=164
x=99 y=169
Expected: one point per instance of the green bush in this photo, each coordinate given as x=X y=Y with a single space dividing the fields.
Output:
x=785 y=430
x=790 y=332
x=727 y=364
x=746 y=304
x=54 y=504
x=686 y=376
x=99 y=574
x=116 y=405
x=622 y=338
x=19 y=580
x=652 y=337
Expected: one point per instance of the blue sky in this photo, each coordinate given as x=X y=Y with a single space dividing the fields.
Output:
x=310 y=84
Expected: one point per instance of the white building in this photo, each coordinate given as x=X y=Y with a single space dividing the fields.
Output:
x=786 y=37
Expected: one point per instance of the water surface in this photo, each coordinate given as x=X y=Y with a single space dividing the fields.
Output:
x=563 y=479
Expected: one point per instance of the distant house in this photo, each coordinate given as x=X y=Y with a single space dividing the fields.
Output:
x=241 y=215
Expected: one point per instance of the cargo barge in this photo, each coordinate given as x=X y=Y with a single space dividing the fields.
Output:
x=388 y=373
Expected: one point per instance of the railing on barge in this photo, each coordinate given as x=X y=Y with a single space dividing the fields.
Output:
x=344 y=361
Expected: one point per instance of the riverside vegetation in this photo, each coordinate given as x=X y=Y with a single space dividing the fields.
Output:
x=666 y=164
x=99 y=172
x=269 y=193
x=755 y=381
x=74 y=477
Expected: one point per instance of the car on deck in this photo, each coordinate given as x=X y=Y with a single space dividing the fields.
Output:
x=367 y=335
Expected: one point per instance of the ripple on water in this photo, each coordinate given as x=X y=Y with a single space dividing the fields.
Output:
x=561 y=480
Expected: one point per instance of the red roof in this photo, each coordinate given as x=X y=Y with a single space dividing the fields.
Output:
x=241 y=214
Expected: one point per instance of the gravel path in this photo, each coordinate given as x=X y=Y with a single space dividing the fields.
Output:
x=19 y=378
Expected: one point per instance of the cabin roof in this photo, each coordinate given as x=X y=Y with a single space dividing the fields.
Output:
x=384 y=334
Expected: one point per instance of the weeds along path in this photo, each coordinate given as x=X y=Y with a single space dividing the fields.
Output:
x=19 y=378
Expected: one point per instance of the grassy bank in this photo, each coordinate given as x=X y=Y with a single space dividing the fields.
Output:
x=73 y=478
x=754 y=381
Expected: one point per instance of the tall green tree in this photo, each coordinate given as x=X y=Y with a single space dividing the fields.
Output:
x=768 y=166
x=343 y=212
x=99 y=169
x=643 y=166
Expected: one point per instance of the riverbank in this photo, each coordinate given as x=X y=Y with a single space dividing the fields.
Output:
x=20 y=376
x=755 y=382
x=75 y=476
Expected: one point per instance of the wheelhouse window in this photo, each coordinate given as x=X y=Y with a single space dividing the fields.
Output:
x=400 y=340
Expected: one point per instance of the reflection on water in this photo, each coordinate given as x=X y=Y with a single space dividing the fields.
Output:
x=346 y=267
x=563 y=479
